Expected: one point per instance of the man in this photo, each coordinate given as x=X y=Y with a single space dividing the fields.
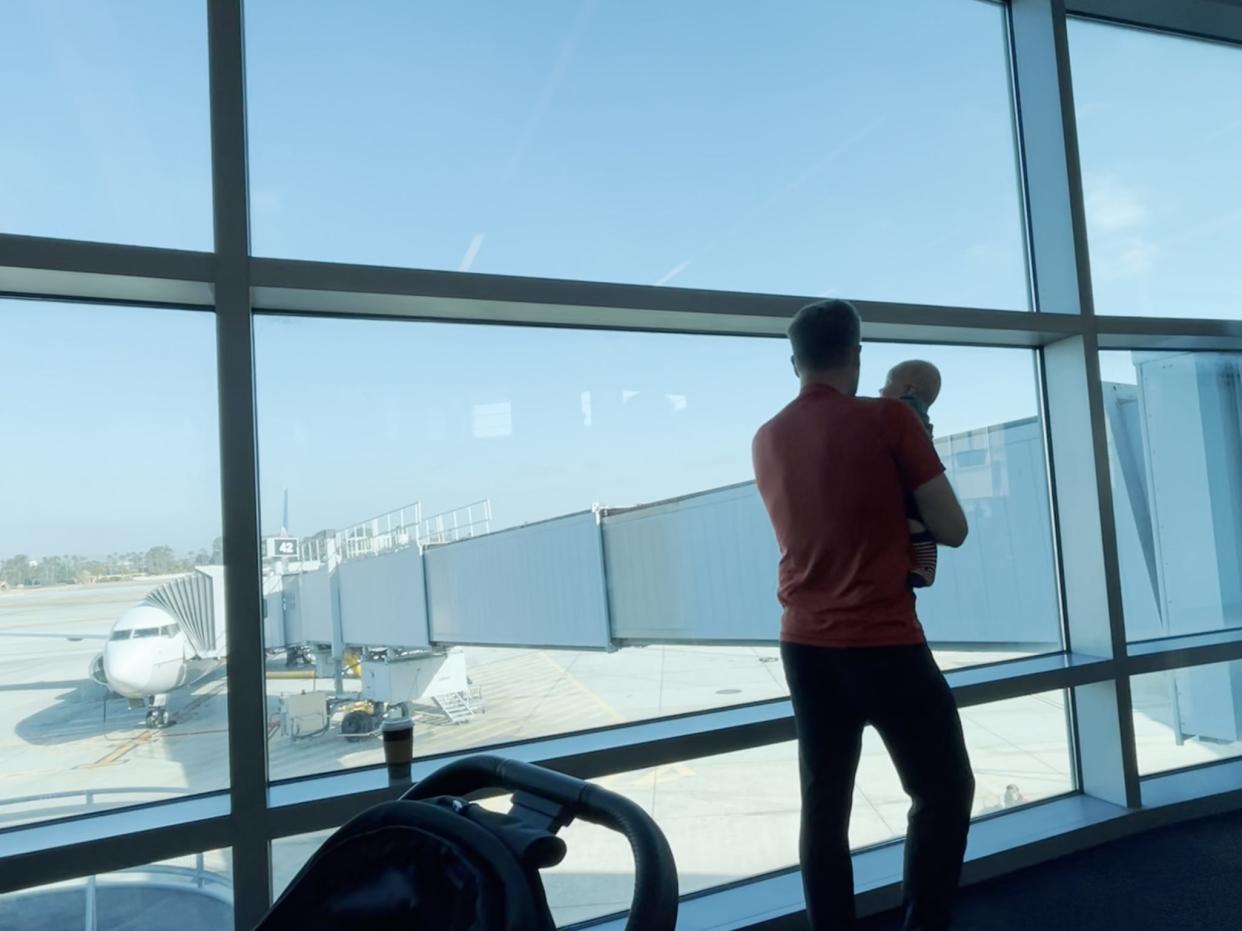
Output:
x=833 y=471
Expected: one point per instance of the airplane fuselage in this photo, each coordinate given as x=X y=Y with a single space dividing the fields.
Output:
x=147 y=655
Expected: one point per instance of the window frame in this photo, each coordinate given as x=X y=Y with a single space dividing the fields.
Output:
x=1063 y=330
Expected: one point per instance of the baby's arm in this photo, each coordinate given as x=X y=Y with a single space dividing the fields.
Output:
x=923 y=570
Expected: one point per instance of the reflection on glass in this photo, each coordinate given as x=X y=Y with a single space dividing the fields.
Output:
x=1175 y=451
x=190 y=892
x=490 y=138
x=290 y=854
x=1160 y=135
x=1186 y=717
x=112 y=686
x=108 y=136
x=578 y=543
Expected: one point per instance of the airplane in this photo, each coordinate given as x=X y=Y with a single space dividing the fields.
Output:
x=172 y=638
x=146 y=656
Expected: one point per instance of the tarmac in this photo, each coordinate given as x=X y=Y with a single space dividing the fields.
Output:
x=69 y=748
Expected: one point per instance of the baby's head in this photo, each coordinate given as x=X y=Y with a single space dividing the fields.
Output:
x=913 y=378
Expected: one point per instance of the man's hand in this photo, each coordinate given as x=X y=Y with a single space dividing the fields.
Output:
x=940 y=511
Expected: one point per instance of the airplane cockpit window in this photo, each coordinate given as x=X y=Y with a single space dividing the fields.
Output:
x=121 y=634
x=168 y=630
x=146 y=632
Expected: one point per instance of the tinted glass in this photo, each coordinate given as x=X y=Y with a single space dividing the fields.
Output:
x=1160 y=136
x=106 y=112
x=546 y=496
x=800 y=148
x=109 y=530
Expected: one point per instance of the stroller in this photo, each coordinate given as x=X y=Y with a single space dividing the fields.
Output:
x=435 y=862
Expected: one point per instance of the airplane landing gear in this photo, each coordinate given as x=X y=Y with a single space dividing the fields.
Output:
x=157 y=712
x=157 y=717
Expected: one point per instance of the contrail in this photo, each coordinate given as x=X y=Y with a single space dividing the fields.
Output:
x=472 y=252
x=809 y=172
x=559 y=68
x=673 y=273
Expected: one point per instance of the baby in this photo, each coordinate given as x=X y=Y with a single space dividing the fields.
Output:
x=918 y=384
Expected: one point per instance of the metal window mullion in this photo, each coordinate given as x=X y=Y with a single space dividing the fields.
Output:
x=1217 y=20
x=247 y=710
x=108 y=854
x=350 y=290
x=44 y=267
x=1184 y=652
x=1072 y=395
x=1163 y=333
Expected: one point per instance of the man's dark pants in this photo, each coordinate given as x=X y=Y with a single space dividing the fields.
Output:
x=900 y=691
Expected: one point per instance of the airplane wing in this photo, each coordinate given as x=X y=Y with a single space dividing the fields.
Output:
x=71 y=635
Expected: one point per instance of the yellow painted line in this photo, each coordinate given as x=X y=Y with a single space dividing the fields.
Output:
x=116 y=755
x=148 y=736
x=577 y=684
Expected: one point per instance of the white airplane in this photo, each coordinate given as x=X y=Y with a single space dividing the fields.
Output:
x=146 y=656
x=172 y=638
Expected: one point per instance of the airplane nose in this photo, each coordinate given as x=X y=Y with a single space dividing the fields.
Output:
x=127 y=671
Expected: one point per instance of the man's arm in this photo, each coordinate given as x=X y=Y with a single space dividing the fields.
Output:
x=922 y=471
x=940 y=511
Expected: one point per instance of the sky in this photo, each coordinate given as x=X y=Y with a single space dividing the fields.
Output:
x=816 y=150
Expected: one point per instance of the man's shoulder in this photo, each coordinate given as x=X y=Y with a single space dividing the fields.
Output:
x=804 y=408
x=868 y=410
x=875 y=405
x=773 y=423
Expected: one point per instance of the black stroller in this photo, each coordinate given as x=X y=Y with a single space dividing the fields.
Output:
x=435 y=862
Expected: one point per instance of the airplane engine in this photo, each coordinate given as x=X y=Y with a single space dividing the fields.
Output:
x=96 y=670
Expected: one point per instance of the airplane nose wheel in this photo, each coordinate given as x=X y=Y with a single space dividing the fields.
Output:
x=158 y=717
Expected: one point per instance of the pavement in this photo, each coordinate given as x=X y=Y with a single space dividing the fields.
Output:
x=69 y=748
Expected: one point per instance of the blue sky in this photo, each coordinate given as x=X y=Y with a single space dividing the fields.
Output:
x=816 y=149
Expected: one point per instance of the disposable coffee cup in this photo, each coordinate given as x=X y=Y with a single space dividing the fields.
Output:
x=398 y=737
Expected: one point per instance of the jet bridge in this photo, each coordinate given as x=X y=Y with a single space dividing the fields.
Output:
x=700 y=568
x=1176 y=443
x=196 y=602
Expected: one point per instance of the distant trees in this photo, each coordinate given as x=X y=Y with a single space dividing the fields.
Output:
x=160 y=560
x=22 y=569
x=16 y=569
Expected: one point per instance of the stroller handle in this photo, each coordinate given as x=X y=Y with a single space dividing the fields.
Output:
x=654 y=904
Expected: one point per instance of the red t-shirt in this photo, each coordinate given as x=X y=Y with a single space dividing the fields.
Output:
x=833 y=472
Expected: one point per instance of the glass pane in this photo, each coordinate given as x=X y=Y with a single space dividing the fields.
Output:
x=289 y=854
x=1160 y=136
x=1185 y=717
x=735 y=815
x=1175 y=451
x=197 y=889
x=106 y=109
x=514 y=469
x=799 y=148
x=710 y=808
x=112 y=686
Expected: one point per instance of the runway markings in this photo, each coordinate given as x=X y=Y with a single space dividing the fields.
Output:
x=577 y=684
x=120 y=752
x=151 y=735
x=648 y=778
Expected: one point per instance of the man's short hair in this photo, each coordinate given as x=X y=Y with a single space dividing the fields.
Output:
x=824 y=335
